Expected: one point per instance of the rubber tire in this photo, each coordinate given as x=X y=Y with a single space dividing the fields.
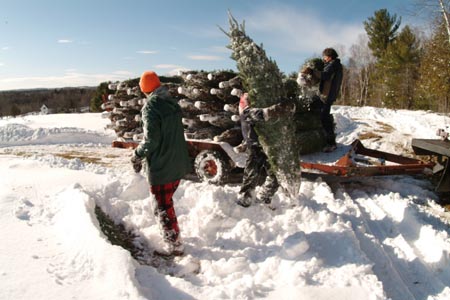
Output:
x=212 y=166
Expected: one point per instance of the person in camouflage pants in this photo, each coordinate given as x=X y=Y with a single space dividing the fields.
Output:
x=257 y=171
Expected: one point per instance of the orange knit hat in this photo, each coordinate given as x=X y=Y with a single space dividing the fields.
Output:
x=149 y=82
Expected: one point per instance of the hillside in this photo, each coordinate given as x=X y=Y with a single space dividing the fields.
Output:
x=57 y=100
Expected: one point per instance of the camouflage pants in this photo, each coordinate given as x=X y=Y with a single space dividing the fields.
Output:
x=257 y=172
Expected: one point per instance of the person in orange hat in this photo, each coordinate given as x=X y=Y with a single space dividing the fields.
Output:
x=164 y=150
x=257 y=170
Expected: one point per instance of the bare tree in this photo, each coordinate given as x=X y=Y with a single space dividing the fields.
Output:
x=435 y=7
x=363 y=61
x=445 y=12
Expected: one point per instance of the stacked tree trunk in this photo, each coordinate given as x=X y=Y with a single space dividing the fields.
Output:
x=208 y=101
x=210 y=107
x=123 y=109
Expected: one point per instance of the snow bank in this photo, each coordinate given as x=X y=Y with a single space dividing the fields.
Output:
x=54 y=129
x=380 y=238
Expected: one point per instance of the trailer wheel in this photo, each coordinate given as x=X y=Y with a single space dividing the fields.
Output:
x=212 y=166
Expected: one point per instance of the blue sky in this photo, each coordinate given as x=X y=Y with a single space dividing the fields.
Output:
x=57 y=43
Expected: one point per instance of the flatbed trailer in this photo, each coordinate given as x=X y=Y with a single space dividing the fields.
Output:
x=440 y=151
x=214 y=162
x=360 y=161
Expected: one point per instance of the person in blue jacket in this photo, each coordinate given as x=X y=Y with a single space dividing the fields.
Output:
x=329 y=87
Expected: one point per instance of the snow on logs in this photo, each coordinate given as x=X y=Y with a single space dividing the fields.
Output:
x=209 y=104
x=209 y=108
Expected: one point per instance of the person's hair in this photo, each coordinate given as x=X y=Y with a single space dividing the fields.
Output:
x=330 y=52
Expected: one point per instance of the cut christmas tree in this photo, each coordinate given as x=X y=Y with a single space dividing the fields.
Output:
x=262 y=79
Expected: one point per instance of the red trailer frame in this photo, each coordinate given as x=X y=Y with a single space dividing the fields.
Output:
x=358 y=161
x=361 y=161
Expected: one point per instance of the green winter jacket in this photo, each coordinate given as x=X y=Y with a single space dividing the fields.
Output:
x=163 y=147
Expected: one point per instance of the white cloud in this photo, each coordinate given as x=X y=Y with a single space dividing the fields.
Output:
x=301 y=31
x=167 y=66
x=146 y=52
x=69 y=79
x=176 y=71
x=1 y=64
x=5 y=48
x=205 y=57
x=64 y=41
x=169 y=69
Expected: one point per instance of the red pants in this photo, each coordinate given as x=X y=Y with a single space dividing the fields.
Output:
x=165 y=210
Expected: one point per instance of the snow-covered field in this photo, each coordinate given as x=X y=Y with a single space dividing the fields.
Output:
x=380 y=238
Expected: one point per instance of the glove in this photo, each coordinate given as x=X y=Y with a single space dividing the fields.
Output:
x=136 y=161
x=284 y=109
x=253 y=115
x=307 y=71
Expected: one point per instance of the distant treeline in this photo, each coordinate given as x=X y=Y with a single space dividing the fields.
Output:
x=400 y=67
x=58 y=100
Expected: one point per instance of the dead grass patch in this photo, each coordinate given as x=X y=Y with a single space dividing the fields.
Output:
x=386 y=128
x=85 y=159
x=102 y=159
x=369 y=135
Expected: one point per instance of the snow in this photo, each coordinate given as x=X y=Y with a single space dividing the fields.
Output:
x=379 y=238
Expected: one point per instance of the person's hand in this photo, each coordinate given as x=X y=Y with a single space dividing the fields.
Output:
x=136 y=161
x=256 y=114
x=285 y=109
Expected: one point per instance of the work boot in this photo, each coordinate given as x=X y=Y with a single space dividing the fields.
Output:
x=263 y=197
x=173 y=248
x=178 y=248
x=245 y=200
x=263 y=200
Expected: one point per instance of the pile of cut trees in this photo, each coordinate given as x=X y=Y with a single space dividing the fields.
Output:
x=210 y=106
x=209 y=102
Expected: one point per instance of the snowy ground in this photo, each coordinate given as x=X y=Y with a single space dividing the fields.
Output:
x=380 y=238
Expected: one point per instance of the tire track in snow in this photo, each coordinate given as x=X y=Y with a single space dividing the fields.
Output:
x=383 y=266
x=397 y=261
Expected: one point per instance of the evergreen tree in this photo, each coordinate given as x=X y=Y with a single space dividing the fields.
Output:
x=401 y=63
x=99 y=97
x=263 y=81
x=434 y=84
x=382 y=31
x=15 y=110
